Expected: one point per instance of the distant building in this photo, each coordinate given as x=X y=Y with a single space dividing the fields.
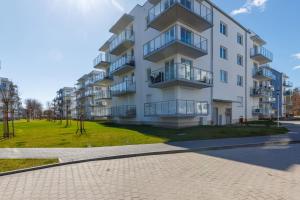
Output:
x=66 y=102
x=16 y=105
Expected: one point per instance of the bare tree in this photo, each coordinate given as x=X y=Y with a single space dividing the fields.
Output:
x=10 y=102
x=34 y=109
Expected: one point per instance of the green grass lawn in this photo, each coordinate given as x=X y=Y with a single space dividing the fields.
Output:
x=50 y=134
x=14 y=164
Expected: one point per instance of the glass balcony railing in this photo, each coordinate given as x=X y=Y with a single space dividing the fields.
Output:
x=102 y=112
x=125 y=111
x=262 y=73
x=103 y=94
x=288 y=93
x=266 y=55
x=176 y=108
x=124 y=87
x=193 y=6
x=288 y=84
x=101 y=76
x=102 y=58
x=176 y=33
x=126 y=35
x=180 y=71
x=121 y=63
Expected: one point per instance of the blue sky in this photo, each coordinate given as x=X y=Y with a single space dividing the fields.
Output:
x=47 y=44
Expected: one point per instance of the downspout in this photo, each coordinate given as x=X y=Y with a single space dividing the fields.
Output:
x=246 y=76
x=212 y=66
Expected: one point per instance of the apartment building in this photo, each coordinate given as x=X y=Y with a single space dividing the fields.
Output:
x=92 y=98
x=10 y=91
x=181 y=63
x=66 y=102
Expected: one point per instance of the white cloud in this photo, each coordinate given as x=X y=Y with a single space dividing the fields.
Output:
x=249 y=6
x=297 y=56
x=296 y=67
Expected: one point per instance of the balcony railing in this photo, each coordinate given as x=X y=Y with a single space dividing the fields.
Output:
x=122 y=42
x=268 y=100
x=257 y=111
x=125 y=111
x=262 y=73
x=122 y=65
x=181 y=74
x=288 y=93
x=103 y=94
x=102 y=60
x=103 y=76
x=192 y=13
x=122 y=88
x=261 y=91
x=176 y=108
x=262 y=55
x=177 y=39
x=288 y=84
x=102 y=112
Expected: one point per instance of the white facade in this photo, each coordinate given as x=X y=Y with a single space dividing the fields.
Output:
x=169 y=70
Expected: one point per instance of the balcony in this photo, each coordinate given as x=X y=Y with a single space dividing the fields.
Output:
x=288 y=93
x=123 y=88
x=261 y=55
x=102 y=112
x=181 y=74
x=262 y=91
x=194 y=14
x=176 y=109
x=176 y=40
x=268 y=100
x=288 y=84
x=103 y=78
x=103 y=94
x=122 y=42
x=262 y=74
x=125 y=111
x=122 y=65
x=256 y=111
x=102 y=60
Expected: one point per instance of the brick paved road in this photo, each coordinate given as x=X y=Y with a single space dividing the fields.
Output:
x=271 y=173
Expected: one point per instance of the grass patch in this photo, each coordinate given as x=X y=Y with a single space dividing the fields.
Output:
x=49 y=134
x=15 y=164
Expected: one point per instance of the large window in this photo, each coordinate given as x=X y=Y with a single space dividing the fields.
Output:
x=240 y=39
x=240 y=60
x=186 y=36
x=224 y=76
x=239 y=80
x=223 y=28
x=223 y=52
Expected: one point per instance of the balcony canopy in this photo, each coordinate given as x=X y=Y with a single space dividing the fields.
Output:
x=121 y=24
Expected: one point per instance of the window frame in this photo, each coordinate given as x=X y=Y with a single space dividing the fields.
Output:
x=223 y=76
x=223 y=53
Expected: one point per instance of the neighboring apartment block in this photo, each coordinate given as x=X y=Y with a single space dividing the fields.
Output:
x=9 y=91
x=93 y=100
x=183 y=63
x=66 y=102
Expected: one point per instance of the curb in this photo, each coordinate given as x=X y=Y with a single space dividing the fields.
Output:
x=150 y=154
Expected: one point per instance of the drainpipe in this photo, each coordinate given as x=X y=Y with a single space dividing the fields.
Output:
x=212 y=65
x=246 y=76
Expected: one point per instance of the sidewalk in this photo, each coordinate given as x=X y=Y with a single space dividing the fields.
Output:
x=78 y=154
